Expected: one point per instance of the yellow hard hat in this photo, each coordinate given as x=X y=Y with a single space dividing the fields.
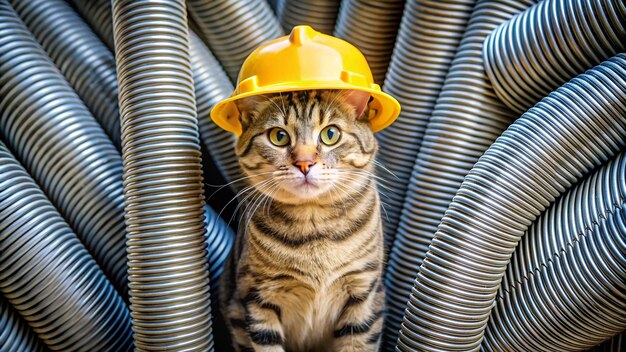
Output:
x=306 y=59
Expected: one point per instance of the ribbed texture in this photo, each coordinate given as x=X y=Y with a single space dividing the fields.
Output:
x=466 y=119
x=234 y=28
x=167 y=261
x=565 y=288
x=63 y=147
x=15 y=334
x=614 y=344
x=546 y=45
x=319 y=14
x=80 y=55
x=220 y=240
x=94 y=11
x=371 y=26
x=47 y=274
x=546 y=151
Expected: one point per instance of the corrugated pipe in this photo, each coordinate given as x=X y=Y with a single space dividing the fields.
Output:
x=372 y=26
x=429 y=34
x=615 y=344
x=546 y=45
x=545 y=152
x=163 y=186
x=56 y=138
x=467 y=118
x=319 y=14
x=46 y=272
x=565 y=288
x=15 y=334
x=220 y=240
x=234 y=28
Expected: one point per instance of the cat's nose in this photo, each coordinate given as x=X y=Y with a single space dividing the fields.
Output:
x=304 y=165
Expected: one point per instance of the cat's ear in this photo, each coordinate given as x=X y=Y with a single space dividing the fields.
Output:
x=358 y=100
x=247 y=107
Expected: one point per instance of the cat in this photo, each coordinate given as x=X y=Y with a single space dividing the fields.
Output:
x=306 y=271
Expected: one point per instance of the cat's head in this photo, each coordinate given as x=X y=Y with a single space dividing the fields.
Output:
x=306 y=146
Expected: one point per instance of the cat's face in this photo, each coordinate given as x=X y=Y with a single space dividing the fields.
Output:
x=306 y=146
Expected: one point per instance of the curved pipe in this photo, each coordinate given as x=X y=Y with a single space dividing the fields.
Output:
x=551 y=42
x=47 y=274
x=543 y=153
x=319 y=14
x=15 y=334
x=163 y=186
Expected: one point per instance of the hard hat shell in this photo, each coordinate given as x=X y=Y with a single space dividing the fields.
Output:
x=306 y=59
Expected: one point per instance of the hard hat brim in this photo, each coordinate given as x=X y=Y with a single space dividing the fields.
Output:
x=385 y=107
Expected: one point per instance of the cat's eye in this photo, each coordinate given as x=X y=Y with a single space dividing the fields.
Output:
x=278 y=137
x=330 y=135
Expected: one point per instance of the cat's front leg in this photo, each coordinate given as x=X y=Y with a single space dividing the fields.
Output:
x=263 y=323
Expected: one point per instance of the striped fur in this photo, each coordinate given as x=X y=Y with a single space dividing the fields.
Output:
x=305 y=274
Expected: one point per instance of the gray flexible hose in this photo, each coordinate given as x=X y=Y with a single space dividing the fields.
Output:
x=319 y=14
x=565 y=288
x=83 y=59
x=466 y=119
x=54 y=136
x=47 y=274
x=371 y=26
x=234 y=28
x=546 y=151
x=220 y=240
x=15 y=334
x=429 y=35
x=546 y=45
x=163 y=186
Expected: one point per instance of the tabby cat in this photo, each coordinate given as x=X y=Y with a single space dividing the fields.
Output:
x=305 y=274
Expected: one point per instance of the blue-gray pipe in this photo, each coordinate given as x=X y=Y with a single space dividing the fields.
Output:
x=15 y=334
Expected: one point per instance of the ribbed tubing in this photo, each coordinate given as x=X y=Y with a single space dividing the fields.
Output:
x=63 y=147
x=565 y=288
x=429 y=34
x=467 y=118
x=319 y=14
x=220 y=240
x=371 y=26
x=546 y=151
x=15 y=334
x=234 y=28
x=546 y=45
x=47 y=274
x=163 y=186
x=79 y=54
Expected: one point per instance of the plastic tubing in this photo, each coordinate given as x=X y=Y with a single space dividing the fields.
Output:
x=540 y=156
x=319 y=14
x=47 y=274
x=372 y=27
x=163 y=185
x=233 y=28
x=551 y=42
x=466 y=119
x=15 y=334
x=56 y=138
x=565 y=288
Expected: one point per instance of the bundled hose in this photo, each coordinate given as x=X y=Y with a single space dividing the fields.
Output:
x=234 y=28
x=371 y=26
x=54 y=136
x=467 y=118
x=553 y=41
x=568 y=272
x=429 y=35
x=80 y=55
x=47 y=274
x=163 y=186
x=546 y=151
x=15 y=334
x=319 y=14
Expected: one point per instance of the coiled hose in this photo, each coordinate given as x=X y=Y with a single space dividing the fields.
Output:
x=163 y=186
x=319 y=14
x=234 y=28
x=546 y=45
x=47 y=274
x=466 y=119
x=15 y=334
x=429 y=34
x=55 y=137
x=565 y=288
x=546 y=151
x=372 y=27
